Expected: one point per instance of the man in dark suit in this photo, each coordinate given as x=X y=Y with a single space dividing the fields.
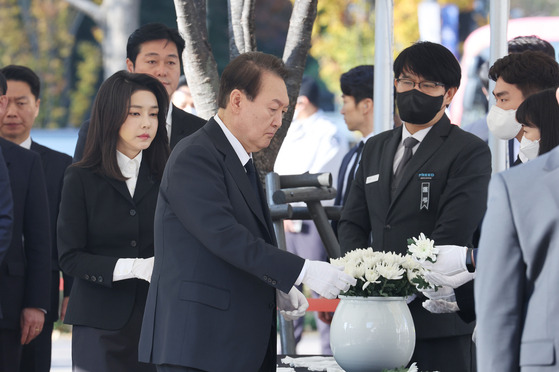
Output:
x=426 y=176
x=156 y=50
x=25 y=270
x=6 y=203
x=23 y=94
x=212 y=300
x=357 y=87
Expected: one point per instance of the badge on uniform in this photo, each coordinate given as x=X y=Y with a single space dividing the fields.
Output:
x=425 y=190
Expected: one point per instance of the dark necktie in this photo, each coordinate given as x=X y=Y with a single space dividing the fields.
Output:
x=409 y=143
x=351 y=174
x=252 y=176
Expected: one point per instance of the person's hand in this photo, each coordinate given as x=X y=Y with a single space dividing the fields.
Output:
x=453 y=281
x=326 y=316
x=63 y=308
x=441 y=293
x=31 y=321
x=440 y=306
x=451 y=260
x=293 y=304
x=142 y=268
x=327 y=280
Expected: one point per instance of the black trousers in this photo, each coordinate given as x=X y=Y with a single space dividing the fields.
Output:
x=10 y=350
x=449 y=354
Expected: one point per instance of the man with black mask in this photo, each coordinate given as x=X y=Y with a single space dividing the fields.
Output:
x=426 y=176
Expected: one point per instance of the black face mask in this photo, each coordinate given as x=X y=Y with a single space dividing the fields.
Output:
x=416 y=107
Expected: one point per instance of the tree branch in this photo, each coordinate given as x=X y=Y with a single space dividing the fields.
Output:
x=199 y=63
x=297 y=46
x=88 y=7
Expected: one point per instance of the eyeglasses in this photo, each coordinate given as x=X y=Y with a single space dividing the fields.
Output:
x=425 y=86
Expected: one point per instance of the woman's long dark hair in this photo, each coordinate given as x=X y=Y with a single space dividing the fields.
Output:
x=109 y=112
x=541 y=110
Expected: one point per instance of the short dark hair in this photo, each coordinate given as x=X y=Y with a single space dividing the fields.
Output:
x=3 y=84
x=529 y=71
x=359 y=82
x=432 y=61
x=309 y=88
x=109 y=112
x=541 y=110
x=245 y=73
x=523 y=43
x=150 y=32
x=24 y=74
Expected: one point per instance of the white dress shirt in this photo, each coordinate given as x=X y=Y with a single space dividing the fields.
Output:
x=169 y=121
x=235 y=143
x=129 y=169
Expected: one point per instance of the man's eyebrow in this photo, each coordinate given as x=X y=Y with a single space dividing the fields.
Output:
x=500 y=94
x=154 y=54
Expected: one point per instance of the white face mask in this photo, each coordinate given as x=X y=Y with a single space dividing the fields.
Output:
x=502 y=123
x=528 y=149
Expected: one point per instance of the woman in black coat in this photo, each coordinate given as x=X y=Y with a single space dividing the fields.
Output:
x=105 y=226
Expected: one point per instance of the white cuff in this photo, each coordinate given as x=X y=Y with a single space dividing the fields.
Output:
x=302 y=274
x=123 y=269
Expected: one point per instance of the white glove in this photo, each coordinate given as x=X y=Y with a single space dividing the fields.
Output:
x=292 y=305
x=142 y=268
x=440 y=306
x=451 y=260
x=327 y=280
x=441 y=293
x=453 y=281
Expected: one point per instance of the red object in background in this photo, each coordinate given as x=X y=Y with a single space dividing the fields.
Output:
x=323 y=304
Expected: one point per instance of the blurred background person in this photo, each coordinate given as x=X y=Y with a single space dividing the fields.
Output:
x=6 y=202
x=25 y=271
x=24 y=89
x=182 y=97
x=539 y=117
x=312 y=144
x=105 y=228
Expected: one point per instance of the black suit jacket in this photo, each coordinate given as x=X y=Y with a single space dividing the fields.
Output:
x=183 y=124
x=99 y=222
x=455 y=167
x=6 y=211
x=341 y=178
x=25 y=270
x=211 y=302
x=54 y=165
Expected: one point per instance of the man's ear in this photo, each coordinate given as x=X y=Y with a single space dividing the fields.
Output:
x=367 y=104
x=129 y=65
x=37 y=106
x=235 y=100
x=449 y=95
x=3 y=104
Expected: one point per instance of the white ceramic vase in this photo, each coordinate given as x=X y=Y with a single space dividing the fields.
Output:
x=369 y=334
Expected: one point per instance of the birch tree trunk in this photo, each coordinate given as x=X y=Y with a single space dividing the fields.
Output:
x=117 y=19
x=201 y=69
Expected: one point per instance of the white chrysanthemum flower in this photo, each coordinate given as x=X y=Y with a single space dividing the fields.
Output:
x=372 y=275
x=410 y=264
x=413 y=368
x=390 y=272
x=423 y=249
